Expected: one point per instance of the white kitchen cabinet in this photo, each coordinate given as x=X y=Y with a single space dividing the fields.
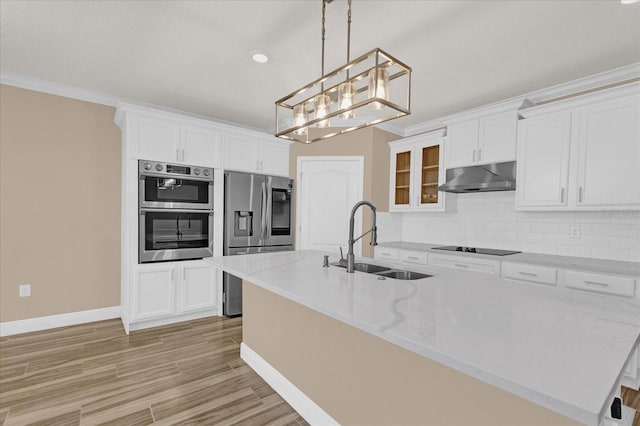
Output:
x=168 y=138
x=252 y=153
x=413 y=257
x=601 y=283
x=167 y=292
x=153 y=292
x=608 y=142
x=462 y=263
x=386 y=253
x=543 y=161
x=529 y=273
x=416 y=171
x=198 y=287
x=580 y=156
x=483 y=140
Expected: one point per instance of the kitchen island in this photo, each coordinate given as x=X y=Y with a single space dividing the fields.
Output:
x=454 y=348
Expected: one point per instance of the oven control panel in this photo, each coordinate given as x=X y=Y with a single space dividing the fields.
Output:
x=177 y=170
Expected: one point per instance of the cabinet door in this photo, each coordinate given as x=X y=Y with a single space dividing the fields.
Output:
x=428 y=175
x=543 y=161
x=462 y=144
x=497 y=138
x=401 y=178
x=156 y=139
x=609 y=154
x=153 y=292
x=274 y=158
x=198 y=287
x=200 y=146
x=241 y=153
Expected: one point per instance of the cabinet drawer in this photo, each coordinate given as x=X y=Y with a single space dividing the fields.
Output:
x=465 y=264
x=610 y=284
x=529 y=273
x=386 y=253
x=415 y=257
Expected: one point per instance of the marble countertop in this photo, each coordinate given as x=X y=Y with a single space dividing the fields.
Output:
x=562 y=349
x=566 y=262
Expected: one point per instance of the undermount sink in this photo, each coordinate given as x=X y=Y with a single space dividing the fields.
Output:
x=404 y=275
x=369 y=268
x=383 y=271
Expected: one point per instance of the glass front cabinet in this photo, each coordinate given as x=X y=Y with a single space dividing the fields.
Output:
x=416 y=171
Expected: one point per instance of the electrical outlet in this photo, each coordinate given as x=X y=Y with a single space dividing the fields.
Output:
x=574 y=231
x=25 y=290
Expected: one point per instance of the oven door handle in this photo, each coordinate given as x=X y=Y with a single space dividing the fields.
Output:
x=269 y=208
x=151 y=210
x=263 y=212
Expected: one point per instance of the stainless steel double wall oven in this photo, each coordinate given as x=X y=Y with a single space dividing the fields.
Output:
x=176 y=212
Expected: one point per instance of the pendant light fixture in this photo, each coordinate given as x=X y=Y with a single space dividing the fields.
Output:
x=371 y=89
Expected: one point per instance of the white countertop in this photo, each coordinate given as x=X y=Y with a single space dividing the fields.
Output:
x=566 y=262
x=562 y=349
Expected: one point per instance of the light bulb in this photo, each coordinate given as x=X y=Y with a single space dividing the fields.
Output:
x=322 y=109
x=379 y=88
x=299 y=118
x=345 y=95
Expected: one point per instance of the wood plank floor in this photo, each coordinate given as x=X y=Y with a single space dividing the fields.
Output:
x=189 y=373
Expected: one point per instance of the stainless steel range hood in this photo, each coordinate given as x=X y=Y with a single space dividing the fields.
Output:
x=484 y=178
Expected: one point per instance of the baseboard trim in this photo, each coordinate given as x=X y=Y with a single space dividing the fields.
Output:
x=54 y=321
x=300 y=402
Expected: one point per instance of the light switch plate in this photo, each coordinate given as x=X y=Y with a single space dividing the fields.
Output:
x=25 y=290
x=575 y=231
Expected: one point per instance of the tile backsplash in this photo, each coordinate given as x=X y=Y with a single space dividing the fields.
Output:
x=489 y=220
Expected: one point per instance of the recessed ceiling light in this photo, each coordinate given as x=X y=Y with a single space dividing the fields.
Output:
x=628 y=1
x=260 y=57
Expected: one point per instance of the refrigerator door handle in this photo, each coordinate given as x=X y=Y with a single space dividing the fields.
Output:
x=263 y=212
x=269 y=209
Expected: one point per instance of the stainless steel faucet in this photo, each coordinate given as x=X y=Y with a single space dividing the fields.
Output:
x=374 y=233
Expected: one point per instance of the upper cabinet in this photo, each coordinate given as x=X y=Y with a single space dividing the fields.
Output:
x=480 y=140
x=162 y=136
x=580 y=155
x=153 y=135
x=250 y=152
x=416 y=172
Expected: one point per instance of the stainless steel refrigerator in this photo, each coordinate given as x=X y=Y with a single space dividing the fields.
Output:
x=257 y=219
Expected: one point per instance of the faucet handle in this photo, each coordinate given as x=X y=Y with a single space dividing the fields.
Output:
x=326 y=261
x=341 y=255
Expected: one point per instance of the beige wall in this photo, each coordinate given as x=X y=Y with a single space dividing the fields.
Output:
x=59 y=204
x=360 y=379
x=371 y=143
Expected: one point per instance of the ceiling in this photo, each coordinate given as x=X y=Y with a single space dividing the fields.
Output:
x=195 y=56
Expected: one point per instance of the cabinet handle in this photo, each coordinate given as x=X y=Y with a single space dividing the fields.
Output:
x=580 y=194
x=480 y=154
x=460 y=265
x=528 y=274
x=412 y=257
x=172 y=276
x=177 y=154
x=596 y=283
x=474 y=155
x=182 y=154
x=184 y=274
x=562 y=195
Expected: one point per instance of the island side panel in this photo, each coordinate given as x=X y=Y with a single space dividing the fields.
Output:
x=360 y=379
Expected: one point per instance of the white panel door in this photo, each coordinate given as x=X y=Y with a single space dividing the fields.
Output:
x=156 y=139
x=274 y=159
x=609 y=154
x=497 y=138
x=462 y=144
x=200 y=147
x=153 y=292
x=543 y=161
x=327 y=190
x=198 y=287
x=241 y=153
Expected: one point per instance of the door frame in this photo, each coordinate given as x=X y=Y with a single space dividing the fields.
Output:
x=359 y=159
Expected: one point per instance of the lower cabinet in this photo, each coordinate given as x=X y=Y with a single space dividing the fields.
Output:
x=465 y=264
x=170 y=290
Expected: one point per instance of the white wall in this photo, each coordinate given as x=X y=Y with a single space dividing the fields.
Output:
x=490 y=220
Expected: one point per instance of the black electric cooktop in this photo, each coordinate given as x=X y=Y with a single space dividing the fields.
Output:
x=478 y=250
